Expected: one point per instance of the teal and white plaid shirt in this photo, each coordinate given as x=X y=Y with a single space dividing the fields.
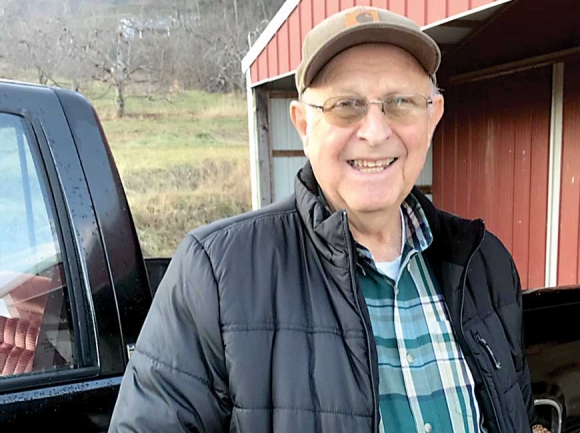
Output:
x=424 y=382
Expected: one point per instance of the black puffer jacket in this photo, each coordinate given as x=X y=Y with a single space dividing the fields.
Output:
x=259 y=327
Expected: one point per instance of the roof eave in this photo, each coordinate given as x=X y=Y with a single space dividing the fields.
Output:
x=269 y=32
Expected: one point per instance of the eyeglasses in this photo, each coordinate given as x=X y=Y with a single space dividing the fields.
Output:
x=399 y=108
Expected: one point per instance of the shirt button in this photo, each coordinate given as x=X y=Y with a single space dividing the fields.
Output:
x=410 y=359
x=428 y=428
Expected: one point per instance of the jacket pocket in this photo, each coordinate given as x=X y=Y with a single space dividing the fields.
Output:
x=483 y=343
x=492 y=350
x=493 y=354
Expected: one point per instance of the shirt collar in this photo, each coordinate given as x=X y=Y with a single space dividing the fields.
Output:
x=419 y=235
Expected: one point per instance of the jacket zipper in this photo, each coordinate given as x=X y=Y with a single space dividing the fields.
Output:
x=462 y=304
x=486 y=346
x=351 y=264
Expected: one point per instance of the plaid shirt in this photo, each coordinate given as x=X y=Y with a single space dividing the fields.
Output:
x=424 y=382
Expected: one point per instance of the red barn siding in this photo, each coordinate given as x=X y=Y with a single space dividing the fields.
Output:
x=398 y=6
x=254 y=72
x=416 y=11
x=436 y=11
x=273 y=61
x=283 y=43
x=305 y=9
x=295 y=46
x=569 y=242
x=319 y=12
x=332 y=7
x=455 y=7
x=287 y=42
x=491 y=161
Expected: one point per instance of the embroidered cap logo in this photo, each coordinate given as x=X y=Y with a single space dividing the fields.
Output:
x=360 y=17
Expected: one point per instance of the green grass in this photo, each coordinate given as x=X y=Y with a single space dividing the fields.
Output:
x=183 y=161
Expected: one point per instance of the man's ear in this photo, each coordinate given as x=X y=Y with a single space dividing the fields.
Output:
x=437 y=110
x=298 y=116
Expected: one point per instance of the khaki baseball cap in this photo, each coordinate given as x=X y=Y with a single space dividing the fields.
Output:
x=360 y=25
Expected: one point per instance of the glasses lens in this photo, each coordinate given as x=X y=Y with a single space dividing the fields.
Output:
x=345 y=109
x=404 y=107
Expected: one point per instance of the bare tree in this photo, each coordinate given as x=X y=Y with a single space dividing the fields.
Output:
x=127 y=54
x=179 y=43
x=213 y=43
x=116 y=62
x=34 y=47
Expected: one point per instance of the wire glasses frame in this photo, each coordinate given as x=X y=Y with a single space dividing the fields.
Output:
x=399 y=108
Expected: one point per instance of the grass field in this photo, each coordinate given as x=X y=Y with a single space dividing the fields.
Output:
x=183 y=160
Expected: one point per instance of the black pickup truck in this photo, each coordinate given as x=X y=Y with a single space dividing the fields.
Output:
x=75 y=288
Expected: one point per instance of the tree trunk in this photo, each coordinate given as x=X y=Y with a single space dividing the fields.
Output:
x=42 y=78
x=119 y=73
x=236 y=15
x=120 y=99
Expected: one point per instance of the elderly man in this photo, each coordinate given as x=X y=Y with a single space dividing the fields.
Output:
x=355 y=305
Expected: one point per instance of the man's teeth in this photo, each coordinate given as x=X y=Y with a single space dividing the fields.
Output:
x=369 y=166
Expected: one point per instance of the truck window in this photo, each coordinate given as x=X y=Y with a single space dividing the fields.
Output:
x=35 y=333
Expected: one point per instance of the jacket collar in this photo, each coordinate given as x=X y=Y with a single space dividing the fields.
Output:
x=328 y=231
x=454 y=238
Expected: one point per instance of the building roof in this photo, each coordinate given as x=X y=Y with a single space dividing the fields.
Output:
x=278 y=50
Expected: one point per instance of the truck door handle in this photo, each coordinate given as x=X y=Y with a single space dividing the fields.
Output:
x=556 y=422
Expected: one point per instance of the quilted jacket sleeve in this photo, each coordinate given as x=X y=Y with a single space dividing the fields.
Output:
x=176 y=379
x=524 y=378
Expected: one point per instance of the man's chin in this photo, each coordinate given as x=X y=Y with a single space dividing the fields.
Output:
x=374 y=207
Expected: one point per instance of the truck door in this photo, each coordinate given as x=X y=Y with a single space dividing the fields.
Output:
x=58 y=359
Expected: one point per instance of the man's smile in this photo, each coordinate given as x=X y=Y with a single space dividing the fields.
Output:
x=371 y=165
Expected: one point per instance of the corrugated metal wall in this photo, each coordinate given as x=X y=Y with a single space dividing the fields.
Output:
x=286 y=146
x=426 y=175
x=283 y=135
x=491 y=156
x=284 y=172
x=569 y=241
x=283 y=53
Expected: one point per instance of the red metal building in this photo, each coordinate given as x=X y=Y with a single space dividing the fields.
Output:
x=508 y=148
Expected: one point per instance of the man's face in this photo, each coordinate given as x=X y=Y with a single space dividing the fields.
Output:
x=350 y=160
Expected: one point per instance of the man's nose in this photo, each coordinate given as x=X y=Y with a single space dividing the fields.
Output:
x=375 y=127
